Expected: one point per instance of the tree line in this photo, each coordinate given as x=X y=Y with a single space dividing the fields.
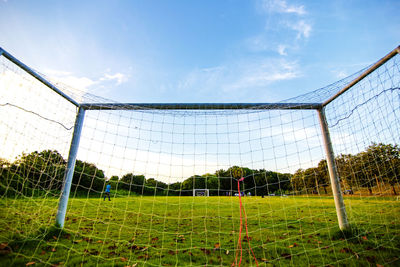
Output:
x=220 y=183
x=43 y=172
x=379 y=163
x=39 y=173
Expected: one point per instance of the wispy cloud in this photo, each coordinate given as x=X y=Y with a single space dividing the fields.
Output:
x=84 y=83
x=118 y=77
x=282 y=50
x=302 y=28
x=291 y=26
x=281 y=6
x=233 y=78
x=344 y=70
x=339 y=74
x=267 y=71
x=259 y=43
x=257 y=71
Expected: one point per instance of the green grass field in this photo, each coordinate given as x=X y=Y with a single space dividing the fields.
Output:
x=199 y=231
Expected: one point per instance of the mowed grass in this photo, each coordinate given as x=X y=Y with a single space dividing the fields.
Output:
x=199 y=231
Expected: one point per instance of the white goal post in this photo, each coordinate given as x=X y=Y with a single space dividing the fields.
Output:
x=201 y=192
x=295 y=105
x=155 y=162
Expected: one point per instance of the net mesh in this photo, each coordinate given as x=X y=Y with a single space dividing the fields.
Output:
x=131 y=201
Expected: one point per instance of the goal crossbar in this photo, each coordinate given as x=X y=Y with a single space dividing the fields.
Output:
x=342 y=217
x=198 y=106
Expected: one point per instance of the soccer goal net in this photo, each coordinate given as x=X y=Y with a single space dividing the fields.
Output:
x=201 y=192
x=86 y=180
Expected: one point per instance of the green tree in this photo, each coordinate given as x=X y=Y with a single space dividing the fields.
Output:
x=284 y=181
x=154 y=187
x=133 y=183
x=261 y=182
x=113 y=181
x=151 y=186
x=212 y=183
x=193 y=182
x=384 y=163
x=87 y=178
x=43 y=170
x=225 y=181
x=272 y=182
x=366 y=170
x=235 y=173
x=33 y=173
x=347 y=169
x=175 y=189
x=10 y=182
x=297 y=182
x=310 y=179
x=114 y=178
x=322 y=175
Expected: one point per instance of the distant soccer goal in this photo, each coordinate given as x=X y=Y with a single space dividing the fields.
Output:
x=201 y=192
x=87 y=180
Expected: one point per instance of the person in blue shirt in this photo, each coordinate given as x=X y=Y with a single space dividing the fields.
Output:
x=107 y=192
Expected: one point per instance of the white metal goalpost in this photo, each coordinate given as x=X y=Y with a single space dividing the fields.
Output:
x=201 y=192
x=257 y=145
x=318 y=107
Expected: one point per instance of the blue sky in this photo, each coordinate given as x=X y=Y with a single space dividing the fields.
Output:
x=199 y=51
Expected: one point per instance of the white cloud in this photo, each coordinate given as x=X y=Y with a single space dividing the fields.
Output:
x=84 y=83
x=235 y=77
x=68 y=78
x=264 y=73
x=282 y=50
x=258 y=43
x=339 y=74
x=81 y=83
x=118 y=77
x=57 y=73
x=285 y=26
x=281 y=6
x=302 y=28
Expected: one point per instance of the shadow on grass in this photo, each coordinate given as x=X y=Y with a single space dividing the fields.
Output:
x=48 y=233
x=352 y=234
x=43 y=234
